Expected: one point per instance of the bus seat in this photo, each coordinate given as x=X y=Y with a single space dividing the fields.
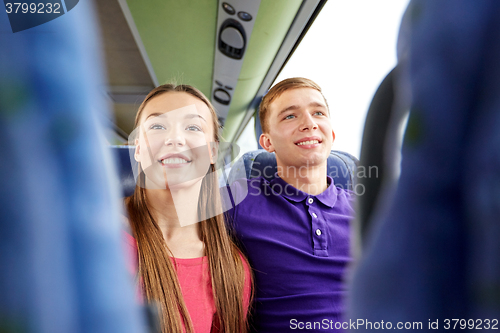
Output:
x=341 y=167
x=61 y=255
x=259 y=163
x=125 y=174
x=431 y=250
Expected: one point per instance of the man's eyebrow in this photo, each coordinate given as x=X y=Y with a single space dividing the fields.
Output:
x=316 y=104
x=295 y=107
x=289 y=108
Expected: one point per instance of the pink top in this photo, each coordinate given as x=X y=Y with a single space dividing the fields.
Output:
x=195 y=283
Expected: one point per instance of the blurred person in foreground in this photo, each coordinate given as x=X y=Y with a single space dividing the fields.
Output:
x=432 y=256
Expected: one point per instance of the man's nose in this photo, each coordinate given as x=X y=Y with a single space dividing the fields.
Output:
x=308 y=123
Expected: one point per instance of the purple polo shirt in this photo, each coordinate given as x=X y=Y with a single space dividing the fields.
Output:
x=298 y=247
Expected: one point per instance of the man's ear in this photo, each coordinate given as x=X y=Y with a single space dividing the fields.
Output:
x=333 y=136
x=265 y=142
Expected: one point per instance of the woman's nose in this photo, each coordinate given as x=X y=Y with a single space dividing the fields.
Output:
x=175 y=139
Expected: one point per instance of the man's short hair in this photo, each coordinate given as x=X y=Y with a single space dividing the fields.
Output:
x=277 y=90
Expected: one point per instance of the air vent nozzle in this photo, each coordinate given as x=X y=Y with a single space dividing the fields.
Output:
x=232 y=39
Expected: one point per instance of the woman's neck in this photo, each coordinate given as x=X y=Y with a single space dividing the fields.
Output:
x=175 y=213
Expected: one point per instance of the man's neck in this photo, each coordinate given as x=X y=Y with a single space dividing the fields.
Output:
x=310 y=179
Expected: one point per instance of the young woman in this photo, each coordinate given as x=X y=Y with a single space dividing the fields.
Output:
x=186 y=261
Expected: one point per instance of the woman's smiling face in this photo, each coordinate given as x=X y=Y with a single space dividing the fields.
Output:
x=175 y=144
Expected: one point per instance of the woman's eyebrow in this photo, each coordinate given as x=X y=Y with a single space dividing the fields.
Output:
x=164 y=115
x=194 y=115
x=153 y=115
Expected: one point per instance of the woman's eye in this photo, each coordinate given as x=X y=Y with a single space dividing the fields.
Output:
x=193 y=128
x=157 y=126
x=290 y=116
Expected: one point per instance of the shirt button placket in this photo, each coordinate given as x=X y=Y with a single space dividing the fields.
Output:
x=317 y=241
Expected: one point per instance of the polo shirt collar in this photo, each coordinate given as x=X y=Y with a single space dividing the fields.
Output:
x=327 y=197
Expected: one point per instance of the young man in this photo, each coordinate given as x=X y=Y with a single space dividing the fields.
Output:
x=295 y=229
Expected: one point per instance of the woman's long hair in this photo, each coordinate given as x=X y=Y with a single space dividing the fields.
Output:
x=158 y=273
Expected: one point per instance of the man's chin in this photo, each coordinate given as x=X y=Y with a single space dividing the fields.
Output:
x=304 y=163
x=313 y=159
x=305 y=160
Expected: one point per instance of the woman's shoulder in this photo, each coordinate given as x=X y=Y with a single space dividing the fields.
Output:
x=247 y=287
x=130 y=246
x=244 y=260
x=129 y=238
x=126 y=228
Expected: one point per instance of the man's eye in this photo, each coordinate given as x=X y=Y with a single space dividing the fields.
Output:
x=157 y=126
x=193 y=128
x=290 y=116
x=319 y=113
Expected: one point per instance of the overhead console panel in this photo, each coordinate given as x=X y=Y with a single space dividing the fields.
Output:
x=232 y=40
x=235 y=21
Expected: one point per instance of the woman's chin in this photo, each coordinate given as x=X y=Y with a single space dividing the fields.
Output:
x=183 y=184
x=174 y=179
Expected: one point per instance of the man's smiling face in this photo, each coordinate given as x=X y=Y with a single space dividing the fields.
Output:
x=300 y=132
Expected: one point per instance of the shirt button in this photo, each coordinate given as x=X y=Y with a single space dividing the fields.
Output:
x=310 y=200
x=318 y=232
x=314 y=214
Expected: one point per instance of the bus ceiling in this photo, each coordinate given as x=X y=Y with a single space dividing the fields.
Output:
x=231 y=50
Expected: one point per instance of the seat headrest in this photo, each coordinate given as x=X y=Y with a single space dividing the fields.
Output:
x=259 y=163
x=125 y=174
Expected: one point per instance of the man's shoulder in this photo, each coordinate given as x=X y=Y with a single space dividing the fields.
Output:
x=345 y=199
x=244 y=186
x=243 y=190
x=345 y=193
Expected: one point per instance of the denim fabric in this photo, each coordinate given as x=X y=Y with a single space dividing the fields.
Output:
x=434 y=255
x=62 y=263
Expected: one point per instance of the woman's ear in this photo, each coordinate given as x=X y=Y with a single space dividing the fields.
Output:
x=137 y=150
x=213 y=151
